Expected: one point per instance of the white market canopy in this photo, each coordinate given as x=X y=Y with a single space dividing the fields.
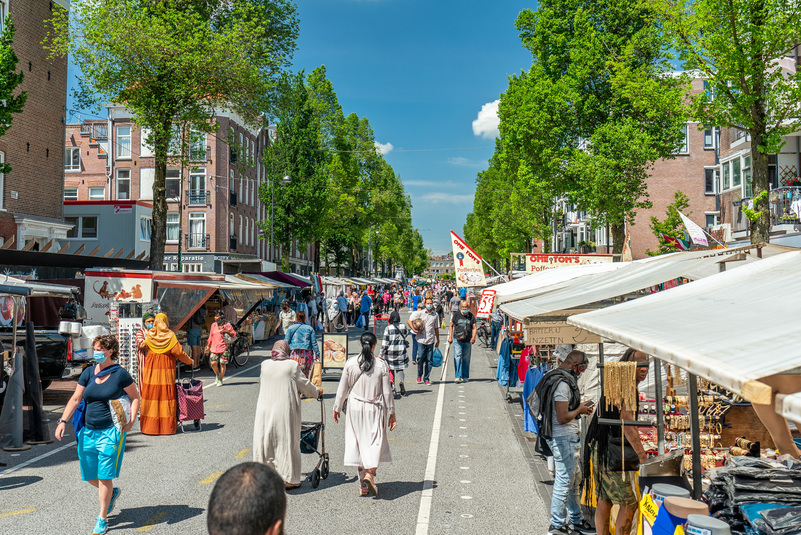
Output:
x=628 y=278
x=547 y=280
x=39 y=289
x=789 y=406
x=733 y=328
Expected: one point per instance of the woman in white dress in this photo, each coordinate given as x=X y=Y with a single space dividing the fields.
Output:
x=370 y=409
x=276 y=432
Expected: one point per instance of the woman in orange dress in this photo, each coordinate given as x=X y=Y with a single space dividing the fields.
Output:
x=159 y=406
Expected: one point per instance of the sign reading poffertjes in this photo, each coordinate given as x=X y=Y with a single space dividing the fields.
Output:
x=541 y=262
x=467 y=265
x=546 y=333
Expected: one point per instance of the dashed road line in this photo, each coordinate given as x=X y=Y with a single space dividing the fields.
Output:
x=213 y=477
x=242 y=453
x=17 y=512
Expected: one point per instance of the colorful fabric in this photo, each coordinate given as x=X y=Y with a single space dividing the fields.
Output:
x=394 y=346
x=220 y=357
x=216 y=341
x=304 y=358
x=611 y=485
x=160 y=339
x=280 y=350
x=100 y=453
x=159 y=408
x=679 y=244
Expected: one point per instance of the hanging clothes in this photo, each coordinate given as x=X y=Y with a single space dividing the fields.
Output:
x=504 y=362
x=533 y=378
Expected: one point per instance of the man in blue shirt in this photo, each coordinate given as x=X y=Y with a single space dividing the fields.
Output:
x=342 y=301
x=365 y=306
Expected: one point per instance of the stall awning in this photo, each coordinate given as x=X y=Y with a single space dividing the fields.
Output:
x=731 y=328
x=629 y=279
x=261 y=279
x=334 y=281
x=281 y=277
x=789 y=406
x=534 y=284
x=39 y=289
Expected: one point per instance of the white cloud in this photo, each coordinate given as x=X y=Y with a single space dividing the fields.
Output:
x=383 y=148
x=430 y=183
x=444 y=197
x=460 y=161
x=487 y=121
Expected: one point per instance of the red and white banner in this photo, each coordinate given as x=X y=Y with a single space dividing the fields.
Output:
x=467 y=265
x=540 y=262
x=486 y=303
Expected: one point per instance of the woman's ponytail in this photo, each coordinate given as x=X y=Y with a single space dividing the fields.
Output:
x=366 y=358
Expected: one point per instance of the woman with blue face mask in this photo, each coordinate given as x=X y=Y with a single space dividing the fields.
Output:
x=101 y=442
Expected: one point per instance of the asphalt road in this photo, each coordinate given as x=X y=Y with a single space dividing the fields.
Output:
x=459 y=466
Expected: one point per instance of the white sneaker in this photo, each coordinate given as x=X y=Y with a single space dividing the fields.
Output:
x=458 y=380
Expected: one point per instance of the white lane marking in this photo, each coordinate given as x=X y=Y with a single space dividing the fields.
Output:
x=467 y=516
x=467 y=497
x=427 y=497
x=464 y=467
x=72 y=443
x=465 y=481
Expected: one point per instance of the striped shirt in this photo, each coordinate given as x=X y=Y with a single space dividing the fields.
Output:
x=393 y=347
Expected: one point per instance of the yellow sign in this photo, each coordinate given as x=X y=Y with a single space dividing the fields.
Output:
x=679 y=530
x=648 y=509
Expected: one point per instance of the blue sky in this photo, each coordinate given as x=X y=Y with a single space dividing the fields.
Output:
x=420 y=71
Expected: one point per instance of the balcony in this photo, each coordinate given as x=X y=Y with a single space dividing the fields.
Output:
x=233 y=198
x=197 y=197
x=97 y=131
x=781 y=208
x=232 y=243
x=197 y=241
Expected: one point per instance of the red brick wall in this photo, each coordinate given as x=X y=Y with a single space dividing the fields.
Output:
x=34 y=145
x=93 y=164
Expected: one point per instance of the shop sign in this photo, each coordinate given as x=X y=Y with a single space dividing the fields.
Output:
x=104 y=288
x=485 y=305
x=123 y=209
x=557 y=332
x=540 y=262
x=467 y=264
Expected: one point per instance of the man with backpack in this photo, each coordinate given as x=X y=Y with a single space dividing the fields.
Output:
x=556 y=404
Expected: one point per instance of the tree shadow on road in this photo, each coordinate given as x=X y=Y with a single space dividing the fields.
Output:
x=16 y=482
x=137 y=517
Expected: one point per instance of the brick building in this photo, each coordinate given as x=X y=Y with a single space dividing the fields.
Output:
x=30 y=195
x=213 y=207
x=439 y=265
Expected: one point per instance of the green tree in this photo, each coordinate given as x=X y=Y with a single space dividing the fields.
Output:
x=174 y=62
x=671 y=226
x=738 y=47
x=9 y=81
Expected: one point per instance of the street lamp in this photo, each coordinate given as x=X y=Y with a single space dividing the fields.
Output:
x=286 y=180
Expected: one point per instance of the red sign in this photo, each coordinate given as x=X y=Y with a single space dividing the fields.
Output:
x=485 y=305
x=540 y=262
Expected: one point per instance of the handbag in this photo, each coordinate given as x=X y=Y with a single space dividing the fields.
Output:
x=345 y=403
x=79 y=416
x=120 y=411
x=317 y=374
x=621 y=459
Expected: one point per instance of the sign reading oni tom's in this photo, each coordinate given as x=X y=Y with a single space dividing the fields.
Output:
x=467 y=265
x=541 y=262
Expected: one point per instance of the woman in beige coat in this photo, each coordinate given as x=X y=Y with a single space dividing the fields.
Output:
x=370 y=409
x=276 y=432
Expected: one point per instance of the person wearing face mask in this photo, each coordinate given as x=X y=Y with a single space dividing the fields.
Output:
x=286 y=318
x=101 y=443
x=427 y=339
x=560 y=409
x=463 y=327
x=141 y=347
x=216 y=346
x=159 y=402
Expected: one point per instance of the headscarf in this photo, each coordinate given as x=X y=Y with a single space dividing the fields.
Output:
x=147 y=316
x=280 y=350
x=160 y=339
x=333 y=310
x=394 y=318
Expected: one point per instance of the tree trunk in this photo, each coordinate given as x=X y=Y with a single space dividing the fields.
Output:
x=158 y=237
x=760 y=229
x=618 y=236
x=317 y=256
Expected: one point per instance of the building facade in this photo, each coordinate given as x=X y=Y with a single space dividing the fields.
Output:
x=119 y=229
x=213 y=204
x=439 y=265
x=30 y=195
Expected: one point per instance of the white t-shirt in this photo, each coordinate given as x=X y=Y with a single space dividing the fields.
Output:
x=562 y=393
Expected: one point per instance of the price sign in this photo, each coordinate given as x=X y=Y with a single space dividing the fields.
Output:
x=648 y=509
x=485 y=305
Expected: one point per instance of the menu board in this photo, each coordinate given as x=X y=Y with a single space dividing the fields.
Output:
x=335 y=350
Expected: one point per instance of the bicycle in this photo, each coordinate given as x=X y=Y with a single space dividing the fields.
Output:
x=484 y=333
x=240 y=350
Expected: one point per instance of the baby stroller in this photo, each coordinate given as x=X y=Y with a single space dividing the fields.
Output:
x=312 y=440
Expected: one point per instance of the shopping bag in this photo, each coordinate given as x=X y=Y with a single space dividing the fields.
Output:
x=436 y=359
x=317 y=373
x=360 y=321
x=189 y=393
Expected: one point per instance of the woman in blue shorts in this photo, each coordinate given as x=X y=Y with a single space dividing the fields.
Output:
x=101 y=442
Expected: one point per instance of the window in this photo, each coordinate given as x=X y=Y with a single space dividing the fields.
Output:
x=145 y=149
x=241 y=184
x=726 y=176
x=70 y=194
x=240 y=229
x=147 y=176
x=197 y=230
x=685 y=148
x=124 y=184
x=708 y=91
x=711 y=220
x=145 y=228
x=747 y=176
x=172 y=187
x=197 y=146
x=123 y=142
x=192 y=267
x=97 y=194
x=197 y=186
x=82 y=227
x=231 y=182
x=709 y=181
x=2 y=176
x=735 y=172
x=172 y=227
x=231 y=225
x=72 y=158
x=709 y=138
